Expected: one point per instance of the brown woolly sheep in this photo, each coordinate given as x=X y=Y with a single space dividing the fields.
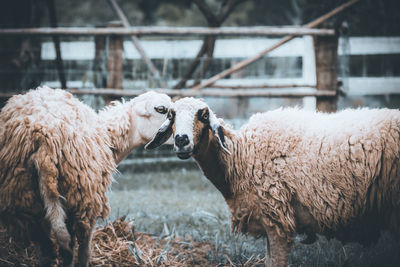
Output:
x=57 y=156
x=291 y=171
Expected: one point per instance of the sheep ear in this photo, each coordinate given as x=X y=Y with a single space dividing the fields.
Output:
x=141 y=109
x=162 y=135
x=218 y=131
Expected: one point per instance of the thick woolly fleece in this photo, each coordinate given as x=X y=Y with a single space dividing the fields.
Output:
x=57 y=156
x=292 y=171
x=50 y=138
x=342 y=169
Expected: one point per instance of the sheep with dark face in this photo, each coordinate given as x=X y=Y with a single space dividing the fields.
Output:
x=57 y=156
x=291 y=171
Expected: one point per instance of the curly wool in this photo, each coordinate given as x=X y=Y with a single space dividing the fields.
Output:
x=51 y=129
x=51 y=142
x=343 y=168
x=291 y=171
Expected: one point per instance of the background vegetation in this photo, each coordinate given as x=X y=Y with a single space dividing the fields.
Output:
x=369 y=18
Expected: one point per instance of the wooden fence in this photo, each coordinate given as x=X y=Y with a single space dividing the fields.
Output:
x=323 y=79
x=226 y=51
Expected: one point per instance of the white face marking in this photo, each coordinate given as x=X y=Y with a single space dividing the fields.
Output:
x=184 y=125
x=185 y=111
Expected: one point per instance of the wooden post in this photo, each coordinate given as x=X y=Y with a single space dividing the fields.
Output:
x=326 y=63
x=108 y=62
x=100 y=62
x=125 y=23
x=114 y=62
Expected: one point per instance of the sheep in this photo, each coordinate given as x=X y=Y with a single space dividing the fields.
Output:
x=292 y=171
x=57 y=156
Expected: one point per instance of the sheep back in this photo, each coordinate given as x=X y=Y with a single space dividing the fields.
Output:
x=342 y=168
x=50 y=129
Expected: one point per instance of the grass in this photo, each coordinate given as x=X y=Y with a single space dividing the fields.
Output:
x=183 y=202
x=186 y=204
x=180 y=219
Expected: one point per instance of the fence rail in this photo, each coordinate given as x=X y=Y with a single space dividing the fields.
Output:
x=215 y=92
x=186 y=31
x=227 y=49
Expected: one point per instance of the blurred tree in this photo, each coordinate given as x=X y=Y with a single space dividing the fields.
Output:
x=213 y=20
x=368 y=17
x=169 y=14
x=149 y=8
x=375 y=18
x=273 y=12
x=20 y=55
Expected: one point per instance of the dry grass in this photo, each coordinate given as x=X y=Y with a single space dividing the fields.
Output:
x=180 y=219
x=14 y=253
x=117 y=244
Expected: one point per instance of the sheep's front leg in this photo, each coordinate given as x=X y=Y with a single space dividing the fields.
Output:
x=68 y=255
x=278 y=250
x=85 y=247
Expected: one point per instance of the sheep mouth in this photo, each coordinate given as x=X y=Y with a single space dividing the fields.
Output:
x=184 y=155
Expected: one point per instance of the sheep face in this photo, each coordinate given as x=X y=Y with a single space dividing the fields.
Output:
x=189 y=120
x=151 y=108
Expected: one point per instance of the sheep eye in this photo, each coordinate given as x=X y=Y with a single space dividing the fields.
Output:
x=203 y=115
x=161 y=109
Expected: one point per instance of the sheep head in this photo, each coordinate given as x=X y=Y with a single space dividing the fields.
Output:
x=189 y=120
x=151 y=109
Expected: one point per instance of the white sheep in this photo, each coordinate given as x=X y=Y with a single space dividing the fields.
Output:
x=57 y=156
x=292 y=171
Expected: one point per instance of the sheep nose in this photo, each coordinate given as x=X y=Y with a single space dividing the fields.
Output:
x=181 y=140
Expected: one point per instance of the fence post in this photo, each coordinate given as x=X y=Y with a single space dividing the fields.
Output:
x=114 y=62
x=326 y=63
x=108 y=62
x=309 y=71
x=100 y=61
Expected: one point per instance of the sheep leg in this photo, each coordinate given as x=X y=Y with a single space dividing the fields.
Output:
x=68 y=255
x=41 y=235
x=85 y=247
x=278 y=250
